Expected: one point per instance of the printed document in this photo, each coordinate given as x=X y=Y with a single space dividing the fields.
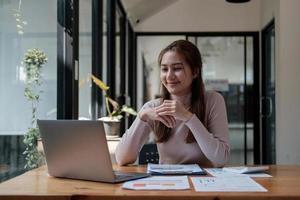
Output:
x=226 y=184
x=188 y=169
x=159 y=183
x=219 y=172
x=246 y=169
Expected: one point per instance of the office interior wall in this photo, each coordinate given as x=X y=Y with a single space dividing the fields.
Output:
x=203 y=15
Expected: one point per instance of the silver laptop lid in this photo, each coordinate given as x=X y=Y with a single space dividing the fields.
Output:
x=76 y=149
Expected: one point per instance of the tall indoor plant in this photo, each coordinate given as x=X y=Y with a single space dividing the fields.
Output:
x=33 y=61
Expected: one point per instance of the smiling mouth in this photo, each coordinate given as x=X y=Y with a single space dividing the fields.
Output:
x=172 y=83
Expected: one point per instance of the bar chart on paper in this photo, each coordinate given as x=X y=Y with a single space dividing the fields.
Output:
x=159 y=183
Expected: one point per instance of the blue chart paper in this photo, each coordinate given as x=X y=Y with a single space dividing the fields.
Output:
x=166 y=169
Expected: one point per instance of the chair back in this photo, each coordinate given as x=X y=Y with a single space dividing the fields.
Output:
x=148 y=154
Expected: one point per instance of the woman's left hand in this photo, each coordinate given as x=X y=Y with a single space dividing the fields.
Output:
x=174 y=108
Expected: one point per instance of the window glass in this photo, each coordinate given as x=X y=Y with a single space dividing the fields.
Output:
x=22 y=29
x=104 y=54
x=117 y=55
x=85 y=58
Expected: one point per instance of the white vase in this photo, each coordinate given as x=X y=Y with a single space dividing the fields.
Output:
x=40 y=147
x=112 y=128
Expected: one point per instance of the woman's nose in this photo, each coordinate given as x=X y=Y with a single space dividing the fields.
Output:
x=170 y=74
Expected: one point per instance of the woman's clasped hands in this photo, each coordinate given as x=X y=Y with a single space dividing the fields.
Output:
x=167 y=113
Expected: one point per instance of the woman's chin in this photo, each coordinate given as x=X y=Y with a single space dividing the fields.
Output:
x=177 y=92
x=173 y=91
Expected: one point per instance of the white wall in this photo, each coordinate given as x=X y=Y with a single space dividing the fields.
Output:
x=204 y=15
x=287 y=48
x=287 y=83
x=269 y=8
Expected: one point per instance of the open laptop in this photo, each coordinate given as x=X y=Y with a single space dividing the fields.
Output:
x=78 y=149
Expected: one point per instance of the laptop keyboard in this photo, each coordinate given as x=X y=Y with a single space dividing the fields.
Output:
x=121 y=175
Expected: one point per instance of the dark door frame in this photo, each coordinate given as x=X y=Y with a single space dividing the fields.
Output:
x=97 y=56
x=67 y=59
x=268 y=148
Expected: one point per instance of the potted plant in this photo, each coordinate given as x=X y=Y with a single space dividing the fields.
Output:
x=33 y=61
x=112 y=121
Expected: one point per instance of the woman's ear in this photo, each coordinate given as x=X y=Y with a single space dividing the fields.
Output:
x=196 y=73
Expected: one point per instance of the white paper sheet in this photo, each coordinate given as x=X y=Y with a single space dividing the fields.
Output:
x=219 y=172
x=226 y=184
x=247 y=169
x=159 y=183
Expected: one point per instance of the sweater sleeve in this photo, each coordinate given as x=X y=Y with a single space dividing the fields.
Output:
x=213 y=140
x=132 y=141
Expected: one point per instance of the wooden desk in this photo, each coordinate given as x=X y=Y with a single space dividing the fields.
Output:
x=36 y=184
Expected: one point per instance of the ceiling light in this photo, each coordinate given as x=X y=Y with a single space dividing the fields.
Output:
x=237 y=1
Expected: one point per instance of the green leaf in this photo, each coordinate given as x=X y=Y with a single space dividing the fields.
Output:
x=113 y=103
x=116 y=113
x=128 y=110
x=99 y=83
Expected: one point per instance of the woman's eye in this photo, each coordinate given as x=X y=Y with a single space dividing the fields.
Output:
x=164 y=69
x=178 y=68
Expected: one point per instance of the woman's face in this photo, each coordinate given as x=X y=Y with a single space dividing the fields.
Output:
x=175 y=74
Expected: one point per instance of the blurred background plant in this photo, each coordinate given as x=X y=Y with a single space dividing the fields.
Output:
x=114 y=114
x=33 y=61
x=20 y=23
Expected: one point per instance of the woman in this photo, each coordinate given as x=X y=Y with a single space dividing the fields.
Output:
x=189 y=123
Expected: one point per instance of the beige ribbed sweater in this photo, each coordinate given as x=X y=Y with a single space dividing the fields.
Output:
x=211 y=148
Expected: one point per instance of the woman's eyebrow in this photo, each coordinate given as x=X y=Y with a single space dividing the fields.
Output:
x=175 y=63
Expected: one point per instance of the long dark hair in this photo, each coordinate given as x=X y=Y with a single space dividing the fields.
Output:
x=192 y=56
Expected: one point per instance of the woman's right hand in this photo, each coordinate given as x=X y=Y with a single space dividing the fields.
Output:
x=151 y=114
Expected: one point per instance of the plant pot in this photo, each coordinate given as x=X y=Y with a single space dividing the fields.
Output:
x=40 y=147
x=112 y=128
